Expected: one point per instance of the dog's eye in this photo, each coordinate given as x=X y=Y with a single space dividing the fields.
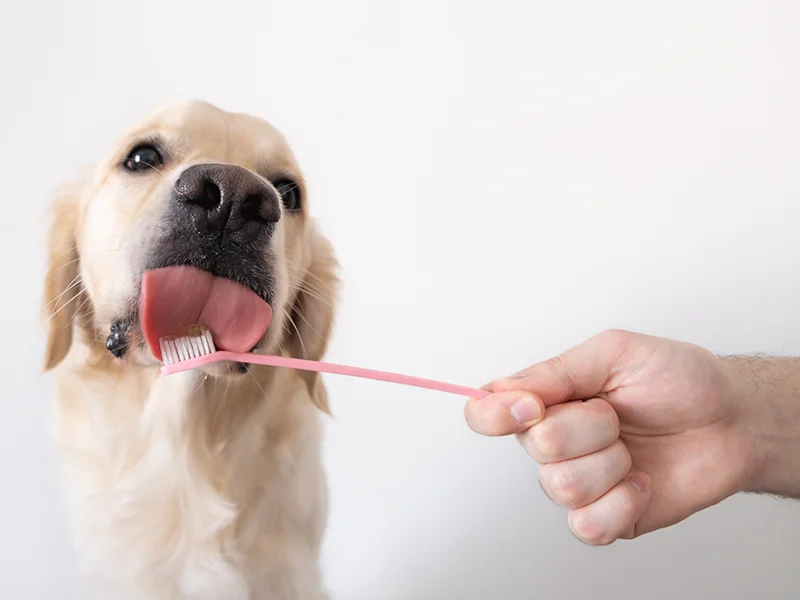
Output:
x=143 y=158
x=290 y=194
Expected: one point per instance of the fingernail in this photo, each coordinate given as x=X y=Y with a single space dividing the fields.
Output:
x=525 y=410
x=639 y=481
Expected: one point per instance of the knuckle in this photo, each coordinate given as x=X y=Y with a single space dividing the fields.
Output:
x=615 y=336
x=469 y=414
x=613 y=423
x=555 y=363
x=558 y=370
x=525 y=440
x=606 y=415
x=548 y=441
x=589 y=530
x=622 y=458
x=510 y=382
x=626 y=506
x=585 y=527
x=566 y=487
x=546 y=491
x=480 y=418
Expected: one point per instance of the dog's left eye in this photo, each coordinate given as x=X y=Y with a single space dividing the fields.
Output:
x=143 y=158
x=290 y=193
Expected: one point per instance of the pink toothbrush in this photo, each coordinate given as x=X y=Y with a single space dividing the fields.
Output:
x=197 y=350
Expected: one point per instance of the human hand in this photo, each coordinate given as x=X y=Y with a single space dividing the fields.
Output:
x=632 y=433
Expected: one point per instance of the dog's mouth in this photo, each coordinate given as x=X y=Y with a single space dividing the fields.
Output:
x=176 y=297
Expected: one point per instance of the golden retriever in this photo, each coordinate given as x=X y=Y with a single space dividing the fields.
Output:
x=205 y=484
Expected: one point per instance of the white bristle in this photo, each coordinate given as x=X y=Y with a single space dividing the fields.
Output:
x=194 y=346
x=197 y=342
x=208 y=343
x=180 y=345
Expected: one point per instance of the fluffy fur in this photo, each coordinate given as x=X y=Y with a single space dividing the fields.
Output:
x=203 y=485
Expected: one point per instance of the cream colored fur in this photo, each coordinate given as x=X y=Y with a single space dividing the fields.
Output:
x=203 y=485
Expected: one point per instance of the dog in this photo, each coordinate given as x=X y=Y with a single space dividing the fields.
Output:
x=206 y=484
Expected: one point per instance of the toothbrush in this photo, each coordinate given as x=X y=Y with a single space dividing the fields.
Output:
x=197 y=349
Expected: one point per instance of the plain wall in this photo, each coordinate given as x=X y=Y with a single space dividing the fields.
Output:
x=501 y=180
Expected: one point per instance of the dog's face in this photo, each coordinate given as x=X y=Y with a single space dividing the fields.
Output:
x=209 y=192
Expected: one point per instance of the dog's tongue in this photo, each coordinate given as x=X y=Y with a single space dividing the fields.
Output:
x=174 y=298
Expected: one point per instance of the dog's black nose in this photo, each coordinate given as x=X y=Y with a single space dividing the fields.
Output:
x=228 y=199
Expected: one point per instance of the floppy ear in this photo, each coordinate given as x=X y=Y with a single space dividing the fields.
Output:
x=313 y=313
x=62 y=285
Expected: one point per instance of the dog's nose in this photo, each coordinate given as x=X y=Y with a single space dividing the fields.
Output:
x=227 y=198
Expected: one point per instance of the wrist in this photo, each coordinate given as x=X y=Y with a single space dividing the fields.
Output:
x=766 y=394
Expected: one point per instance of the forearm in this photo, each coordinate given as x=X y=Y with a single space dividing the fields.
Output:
x=769 y=392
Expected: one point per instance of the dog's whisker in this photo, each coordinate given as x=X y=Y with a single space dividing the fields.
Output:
x=82 y=305
x=199 y=386
x=65 y=305
x=316 y=297
x=165 y=149
x=227 y=386
x=76 y=281
x=299 y=337
x=300 y=314
x=284 y=189
x=306 y=287
x=66 y=264
x=303 y=283
x=73 y=248
x=255 y=379
x=317 y=277
x=68 y=302
x=155 y=168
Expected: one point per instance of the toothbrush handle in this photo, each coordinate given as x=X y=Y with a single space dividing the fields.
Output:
x=321 y=367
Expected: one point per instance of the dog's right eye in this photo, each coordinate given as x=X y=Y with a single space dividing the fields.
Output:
x=143 y=158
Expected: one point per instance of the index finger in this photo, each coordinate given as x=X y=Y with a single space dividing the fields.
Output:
x=579 y=373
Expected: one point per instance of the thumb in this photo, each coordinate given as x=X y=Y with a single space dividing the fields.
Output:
x=579 y=373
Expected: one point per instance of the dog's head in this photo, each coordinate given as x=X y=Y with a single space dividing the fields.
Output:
x=210 y=210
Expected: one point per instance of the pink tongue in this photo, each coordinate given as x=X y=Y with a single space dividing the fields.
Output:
x=174 y=298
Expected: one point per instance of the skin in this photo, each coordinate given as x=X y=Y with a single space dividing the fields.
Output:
x=634 y=433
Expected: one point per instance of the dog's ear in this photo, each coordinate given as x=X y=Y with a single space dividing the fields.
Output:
x=312 y=313
x=62 y=285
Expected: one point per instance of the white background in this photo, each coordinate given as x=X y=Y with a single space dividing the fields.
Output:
x=501 y=180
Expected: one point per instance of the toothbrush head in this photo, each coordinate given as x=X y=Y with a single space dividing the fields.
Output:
x=197 y=342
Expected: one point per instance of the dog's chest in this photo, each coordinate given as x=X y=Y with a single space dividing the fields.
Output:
x=157 y=502
x=173 y=496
